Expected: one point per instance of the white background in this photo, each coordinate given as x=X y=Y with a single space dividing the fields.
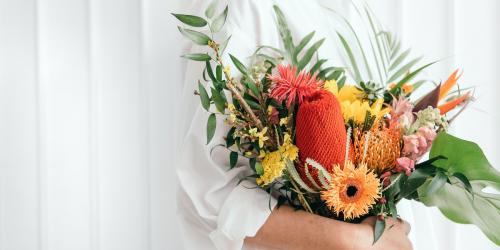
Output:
x=89 y=100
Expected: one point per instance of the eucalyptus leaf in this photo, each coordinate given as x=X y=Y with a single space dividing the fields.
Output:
x=191 y=20
x=202 y=57
x=195 y=36
x=379 y=230
x=219 y=100
x=210 y=11
x=219 y=21
x=211 y=126
x=239 y=65
x=205 y=100
x=233 y=159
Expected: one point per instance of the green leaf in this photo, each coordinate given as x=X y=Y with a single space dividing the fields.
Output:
x=218 y=71
x=251 y=85
x=210 y=11
x=309 y=54
x=205 y=100
x=413 y=74
x=464 y=157
x=219 y=21
x=210 y=71
x=198 y=57
x=284 y=31
x=379 y=230
x=223 y=46
x=259 y=169
x=399 y=60
x=220 y=102
x=195 y=36
x=463 y=179
x=405 y=68
x=416 y=179
x=354 y=65
x=453 y=200
x=239 y=65
x=317 y=66
x=230 y=137
x=233 y=159
x=191 y=20
x=211 y=125
x=301 y=46
x=437 y=182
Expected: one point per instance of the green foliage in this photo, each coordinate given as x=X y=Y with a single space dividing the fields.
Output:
x=233 y=159
x=211 y=126
x=219 y=21
x=210 y=11
x=219 y=100
x=309 y=54
x=284 y=31
x=391 y=63
x=195 y=36
x=191 y=20
x=379 y=230
x=205 y=100
x=239 y=65
x=453 y=199
x=198 y=57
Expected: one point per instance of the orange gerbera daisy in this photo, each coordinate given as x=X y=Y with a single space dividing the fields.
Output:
x=353 y=191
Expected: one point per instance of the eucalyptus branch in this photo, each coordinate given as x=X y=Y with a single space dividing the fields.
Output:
x=231 y=86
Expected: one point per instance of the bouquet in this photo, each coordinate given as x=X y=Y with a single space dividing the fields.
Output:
x=344 y=151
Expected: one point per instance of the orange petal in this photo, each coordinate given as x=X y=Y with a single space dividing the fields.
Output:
x=450 y=82
x=445 y=108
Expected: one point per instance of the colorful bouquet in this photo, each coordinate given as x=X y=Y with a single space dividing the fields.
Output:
x=344 y=151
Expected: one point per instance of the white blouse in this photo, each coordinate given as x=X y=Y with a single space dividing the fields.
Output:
x=216 y=213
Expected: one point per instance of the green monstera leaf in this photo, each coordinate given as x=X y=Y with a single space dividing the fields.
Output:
x=460 y=201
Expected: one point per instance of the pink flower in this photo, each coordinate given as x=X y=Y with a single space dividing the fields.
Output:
x=402 y=106
x=405 y=164
x=428 y=133
x=416 y=145
x=289 y=85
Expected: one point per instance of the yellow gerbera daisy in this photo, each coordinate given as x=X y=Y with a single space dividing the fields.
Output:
x=353 y=191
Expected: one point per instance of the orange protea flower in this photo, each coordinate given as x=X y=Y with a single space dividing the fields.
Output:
x=289 y=85
x=382 y=150
x=353 y=191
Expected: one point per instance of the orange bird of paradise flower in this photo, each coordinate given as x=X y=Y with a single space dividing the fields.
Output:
x=445 y=89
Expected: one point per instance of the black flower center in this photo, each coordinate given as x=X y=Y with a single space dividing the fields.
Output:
x=351 y=191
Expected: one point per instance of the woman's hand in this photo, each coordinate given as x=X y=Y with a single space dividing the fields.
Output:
x=295 y=230
x=394 y=237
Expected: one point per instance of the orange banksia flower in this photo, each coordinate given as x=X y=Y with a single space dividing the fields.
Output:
x=353 y=191
x=320 y=133
x=378 y=148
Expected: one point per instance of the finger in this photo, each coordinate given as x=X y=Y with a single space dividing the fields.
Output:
x=406 y=226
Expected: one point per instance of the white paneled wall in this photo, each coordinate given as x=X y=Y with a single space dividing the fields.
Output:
x=87 y=120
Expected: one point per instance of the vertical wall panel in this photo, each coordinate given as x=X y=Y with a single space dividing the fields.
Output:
x=122 y=130
x=63 y=79
x=162 y=58
x=19 y=157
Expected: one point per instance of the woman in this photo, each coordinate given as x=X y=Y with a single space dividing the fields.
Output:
x=218 y=213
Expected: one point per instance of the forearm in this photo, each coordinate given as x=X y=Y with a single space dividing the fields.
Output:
x=295 y=230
